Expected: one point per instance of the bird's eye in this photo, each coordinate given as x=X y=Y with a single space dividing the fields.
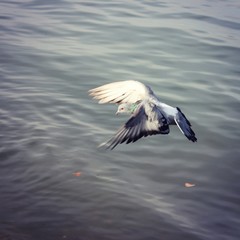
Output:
x=121 y=108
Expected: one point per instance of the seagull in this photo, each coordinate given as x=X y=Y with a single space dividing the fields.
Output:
x=149 y=116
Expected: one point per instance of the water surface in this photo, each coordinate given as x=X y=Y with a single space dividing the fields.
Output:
x=51 y=54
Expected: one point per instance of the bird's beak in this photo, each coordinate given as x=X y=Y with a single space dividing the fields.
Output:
x=117 y=113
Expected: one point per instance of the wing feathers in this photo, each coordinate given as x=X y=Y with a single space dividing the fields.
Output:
x=185 y=126
x=138 y=126
x=119 y=92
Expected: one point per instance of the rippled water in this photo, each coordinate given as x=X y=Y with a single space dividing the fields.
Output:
x=51 y=54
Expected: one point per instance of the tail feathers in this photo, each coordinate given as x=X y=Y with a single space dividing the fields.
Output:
x=185 y=126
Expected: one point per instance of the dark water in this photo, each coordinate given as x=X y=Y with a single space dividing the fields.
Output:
x=51 y=54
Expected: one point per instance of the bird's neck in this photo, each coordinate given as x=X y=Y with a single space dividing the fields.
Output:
x=133 y=107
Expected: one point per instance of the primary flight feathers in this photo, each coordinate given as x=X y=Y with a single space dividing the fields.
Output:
x=149 y=116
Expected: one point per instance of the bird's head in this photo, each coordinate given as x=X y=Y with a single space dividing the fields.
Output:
x=126 y=108
x=123 y=108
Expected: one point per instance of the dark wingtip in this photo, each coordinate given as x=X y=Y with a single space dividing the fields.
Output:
x=193 y=139
x=184 y=116
x=191 y=136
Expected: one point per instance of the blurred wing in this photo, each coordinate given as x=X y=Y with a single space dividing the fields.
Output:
x=138 y=126
x=184 y=126
x=121 y=92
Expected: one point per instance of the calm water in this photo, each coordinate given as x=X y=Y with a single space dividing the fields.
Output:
x=51 y=54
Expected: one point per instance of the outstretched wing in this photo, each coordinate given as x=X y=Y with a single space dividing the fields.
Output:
x=142 y=124
x=184 y=125
x=121 y=92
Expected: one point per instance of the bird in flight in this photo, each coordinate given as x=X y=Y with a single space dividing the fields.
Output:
x=149 y=116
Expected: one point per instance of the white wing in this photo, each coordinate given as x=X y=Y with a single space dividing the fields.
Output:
x=121 y=92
